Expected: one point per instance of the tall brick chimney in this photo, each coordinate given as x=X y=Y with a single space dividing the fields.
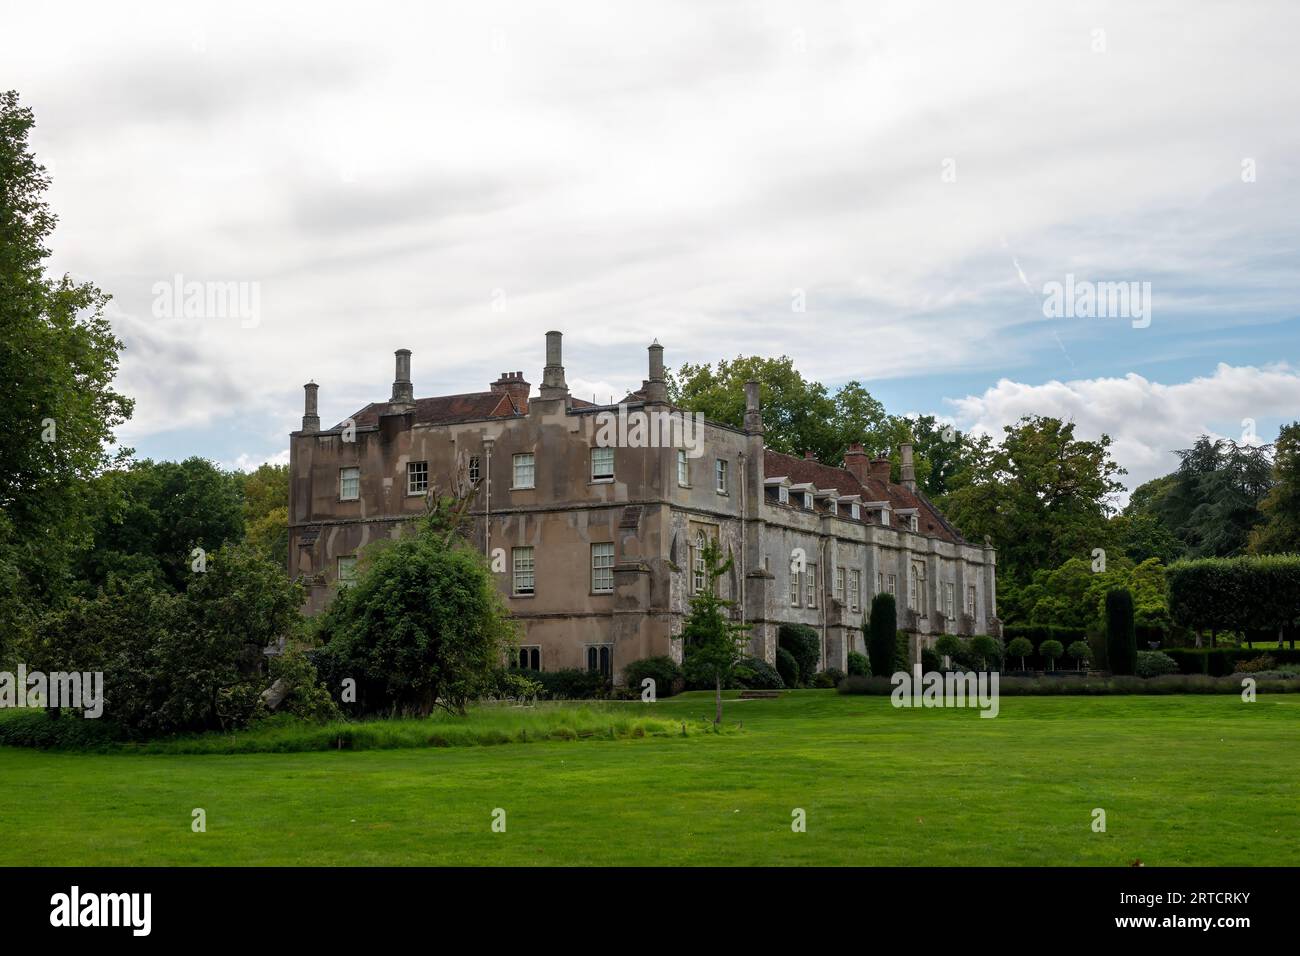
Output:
x=512 y=383
x=881 y=468
x=856 y=462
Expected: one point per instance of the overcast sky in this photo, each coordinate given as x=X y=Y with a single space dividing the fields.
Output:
x=458 y=178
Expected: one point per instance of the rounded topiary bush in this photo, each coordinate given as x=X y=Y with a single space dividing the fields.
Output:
x=787 y=667
x=859 y=666
x=1019 y=649
x=664 y=671
x=1051 y=651
x=1155 y=664
x=753 y=673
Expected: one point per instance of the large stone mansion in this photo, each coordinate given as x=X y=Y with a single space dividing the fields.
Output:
x=593 y=527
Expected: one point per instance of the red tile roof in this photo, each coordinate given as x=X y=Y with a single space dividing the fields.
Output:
x=799 y=470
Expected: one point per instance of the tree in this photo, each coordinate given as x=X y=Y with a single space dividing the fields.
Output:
x=422 y=626
x=1042 y=495
x=1020 y=647
x=1080 y=651
x=58 y=360
x=265 y=491
x=948 y=646
x=986 y=648
x=1280 y=531
x=1214 y=500
x=714 y=643
x=1121 y=632
x=944 y=450
x=150 y=516
x=799 y=415
x=882 y=642
x=1051 y=651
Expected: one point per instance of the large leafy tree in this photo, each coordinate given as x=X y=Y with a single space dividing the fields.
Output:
x=1213 y=500
x=423 y=625
x=799 y=415
x=266 y=510
x=149 y=517
x=58 y=358
x=1041 y=494
x=1280 y=531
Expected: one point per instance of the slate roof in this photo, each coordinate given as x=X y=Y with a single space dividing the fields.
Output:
x=930 y=521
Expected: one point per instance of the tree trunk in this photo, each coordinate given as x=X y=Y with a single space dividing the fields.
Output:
x=717 y=700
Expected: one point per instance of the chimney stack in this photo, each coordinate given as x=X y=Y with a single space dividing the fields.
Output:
x=513 y=384
x=907 y=471
x=856 y=463
x=553 y=385
x=753 y=408
x=656 y=386
x=310 y=419
x=403 y=391
x=881 y=468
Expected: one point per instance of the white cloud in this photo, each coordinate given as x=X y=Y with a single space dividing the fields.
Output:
x=1147 y=420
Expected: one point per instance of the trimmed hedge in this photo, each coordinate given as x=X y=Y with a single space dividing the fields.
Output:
x=787 y=667
x=1221 y=661
x=882 y=636
x=1236 y=594
x=1121 y=632
x=571 y=684
x=804 y=645
x=1095 y=686
x=858 y=664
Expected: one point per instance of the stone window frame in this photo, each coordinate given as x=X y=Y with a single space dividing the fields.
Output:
x=599 y=651
x=855 y=590
x=600 y=571
x=351 y=575
x=841 y=583
x=722 y=476
x=536 y=654
x=529 y=570
x=356 y=479
x=811 y=571
x=603 y=477
x=683 y=469
x=475 y=468
x=413 y=469
x=517 y=461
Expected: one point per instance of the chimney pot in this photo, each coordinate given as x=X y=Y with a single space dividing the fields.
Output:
x=310 y=418
x=403 y=391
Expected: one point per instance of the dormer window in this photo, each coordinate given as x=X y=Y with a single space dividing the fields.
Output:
x=783 y=495
x=856 y=511
x=808 y=501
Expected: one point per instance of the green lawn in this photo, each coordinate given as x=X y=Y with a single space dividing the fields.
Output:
x=1183 y=780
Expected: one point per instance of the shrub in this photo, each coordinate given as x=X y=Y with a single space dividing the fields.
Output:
x=1020 y=647
x=1155 y=664
x=882 y=640
x=1080 y=651
x=930 y=660
x=1121 y=633
x=830 y=677
x=423 y=626
x=1051 y=651
x=569 y=684
x=665 y=673
x=859 y=666
x=754 y=673
x=1262 y=663
x=305 y=697
x=803 y=644
x=787 y=667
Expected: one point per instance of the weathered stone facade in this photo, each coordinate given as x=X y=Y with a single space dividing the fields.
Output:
x=613 y=531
